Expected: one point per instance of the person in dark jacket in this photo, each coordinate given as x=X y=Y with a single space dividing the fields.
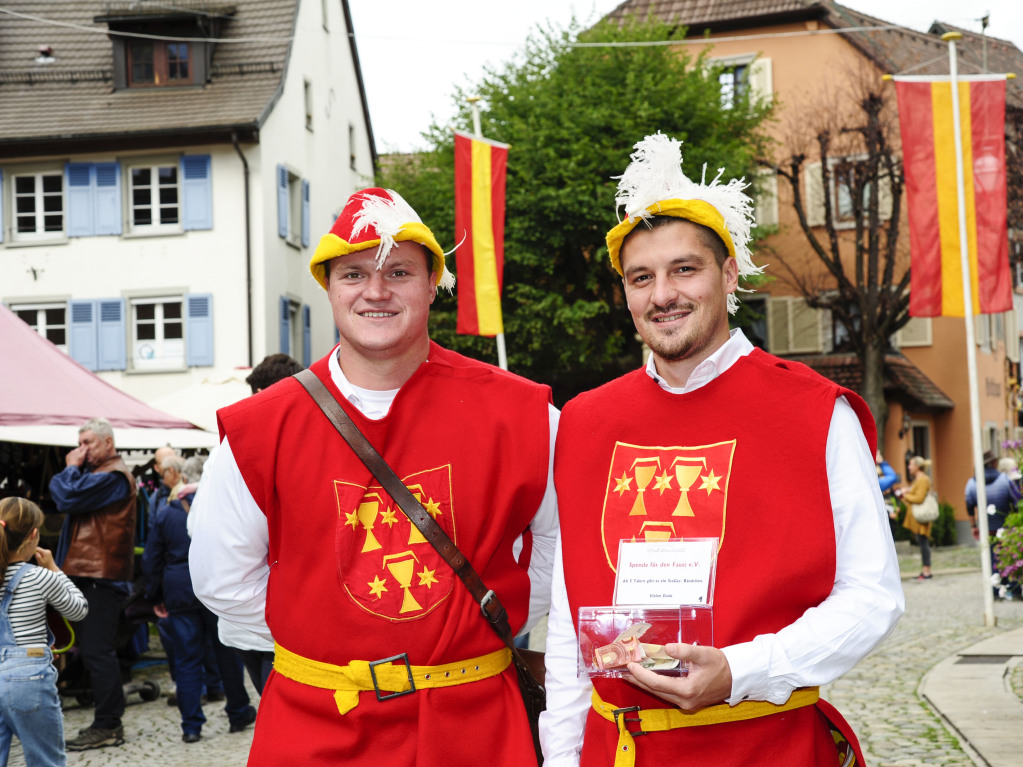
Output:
x=1002 y=495
x=192 y=625
x=97 y=551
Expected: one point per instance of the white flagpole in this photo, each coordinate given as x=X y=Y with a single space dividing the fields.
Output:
x=474 y=102
x=971 y=346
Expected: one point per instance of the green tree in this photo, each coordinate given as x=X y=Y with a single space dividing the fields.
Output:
x=571 y=114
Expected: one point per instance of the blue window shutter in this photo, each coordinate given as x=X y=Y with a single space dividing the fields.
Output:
x=305 y=213
x=307 y=339
x=82 y=333
x=80 y=216
x=199 y=329
x=285 y=326
x=196 y=192
x=108 y=198
x=282 y=201
x=1 y=205
x=111 y=334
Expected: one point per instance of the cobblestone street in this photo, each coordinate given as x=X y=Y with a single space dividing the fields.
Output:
x=879 y=697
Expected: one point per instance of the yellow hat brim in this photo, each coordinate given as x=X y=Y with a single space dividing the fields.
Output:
x=331 y=246
x=697 y=211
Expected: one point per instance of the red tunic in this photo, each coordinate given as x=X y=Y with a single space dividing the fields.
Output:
x=351 y=579
x=741 y=459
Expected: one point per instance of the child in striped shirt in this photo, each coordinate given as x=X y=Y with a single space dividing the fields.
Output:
x=29 y=703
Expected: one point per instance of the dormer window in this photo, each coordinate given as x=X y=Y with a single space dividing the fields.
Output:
x=158 y=63
x=164 y=43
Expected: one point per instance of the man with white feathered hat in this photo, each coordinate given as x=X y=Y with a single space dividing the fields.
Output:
x=381 y=654
x=711 y=430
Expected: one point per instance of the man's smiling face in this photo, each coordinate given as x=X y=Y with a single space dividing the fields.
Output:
x=382 y=313
x=676 y=290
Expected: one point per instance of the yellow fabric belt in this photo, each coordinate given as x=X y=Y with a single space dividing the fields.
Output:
x=661 y=719
x=348 y=681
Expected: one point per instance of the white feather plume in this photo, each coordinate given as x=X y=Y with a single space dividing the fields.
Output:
x=388 y=217
x=655 y=174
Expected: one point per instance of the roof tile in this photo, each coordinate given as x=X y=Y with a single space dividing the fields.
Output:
x=74 y=95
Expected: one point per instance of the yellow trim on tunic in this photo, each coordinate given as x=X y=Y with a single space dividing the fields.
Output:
x=661 y=719
x=348 y=681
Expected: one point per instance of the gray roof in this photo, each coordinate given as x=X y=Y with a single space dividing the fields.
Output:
x=73 y=98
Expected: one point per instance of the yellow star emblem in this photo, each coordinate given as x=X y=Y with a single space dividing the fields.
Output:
x=352 y=518
x=377 y=587
x=433 y=507
x=427 y=577
x=663 y=482
x=622 y=484
x=388 y=518
x=710 y=482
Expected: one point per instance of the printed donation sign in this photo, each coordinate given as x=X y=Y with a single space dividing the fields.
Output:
x=668 y=572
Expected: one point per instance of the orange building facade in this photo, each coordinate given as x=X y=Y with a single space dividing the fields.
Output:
x=794 y=54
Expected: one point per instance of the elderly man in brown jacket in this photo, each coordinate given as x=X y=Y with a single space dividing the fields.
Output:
x=97 y=492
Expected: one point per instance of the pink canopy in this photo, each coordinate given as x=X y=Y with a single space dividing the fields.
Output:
x=45 y=396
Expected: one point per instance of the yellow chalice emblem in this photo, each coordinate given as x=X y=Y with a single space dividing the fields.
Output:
x=402 y=566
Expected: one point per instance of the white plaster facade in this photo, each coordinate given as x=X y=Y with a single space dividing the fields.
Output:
x=333 y=154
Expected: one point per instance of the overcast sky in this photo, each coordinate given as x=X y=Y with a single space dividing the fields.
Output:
x=415 y=52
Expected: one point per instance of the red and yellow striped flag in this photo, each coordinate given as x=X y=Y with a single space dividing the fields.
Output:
x=480 y=168
x=929 y=161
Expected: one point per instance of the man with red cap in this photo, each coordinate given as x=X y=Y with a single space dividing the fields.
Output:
x=382 y=656
x=714 y=439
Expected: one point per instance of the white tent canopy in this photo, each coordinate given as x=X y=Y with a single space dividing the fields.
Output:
x=199 y=403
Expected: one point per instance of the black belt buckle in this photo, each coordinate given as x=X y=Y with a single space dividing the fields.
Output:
x=408 y=670
x=623 y=712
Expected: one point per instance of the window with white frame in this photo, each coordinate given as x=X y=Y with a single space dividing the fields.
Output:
x=846 y=182
x=734 y=81
x=742 y=77
x=293 y=221
x=153 y=197
x=157 y=333
x=48 y=320
x=37 y=206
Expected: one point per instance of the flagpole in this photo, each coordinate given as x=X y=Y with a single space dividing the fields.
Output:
x=971 y=346
x=474 y=104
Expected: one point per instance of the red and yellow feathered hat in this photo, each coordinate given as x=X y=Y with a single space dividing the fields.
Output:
x=654 y=185
x=377 y=218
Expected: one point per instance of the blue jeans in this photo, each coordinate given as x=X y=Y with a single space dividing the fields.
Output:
x=30 y=706
x=191 y=629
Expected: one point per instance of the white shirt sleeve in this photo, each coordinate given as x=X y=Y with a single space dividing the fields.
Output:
x=544 y=528
x=866 y=601
x=230 y=544
x=190 y=519
x=568 y=697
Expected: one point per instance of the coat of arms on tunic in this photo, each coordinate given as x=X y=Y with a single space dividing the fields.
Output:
x=385 y=564
x=656 y=493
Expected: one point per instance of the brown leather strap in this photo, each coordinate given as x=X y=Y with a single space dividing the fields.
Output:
x=490 y=605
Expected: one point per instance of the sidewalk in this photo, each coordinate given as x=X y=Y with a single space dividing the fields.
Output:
x=971 y=692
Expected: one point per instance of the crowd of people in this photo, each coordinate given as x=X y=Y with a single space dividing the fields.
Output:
x=283 y=556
